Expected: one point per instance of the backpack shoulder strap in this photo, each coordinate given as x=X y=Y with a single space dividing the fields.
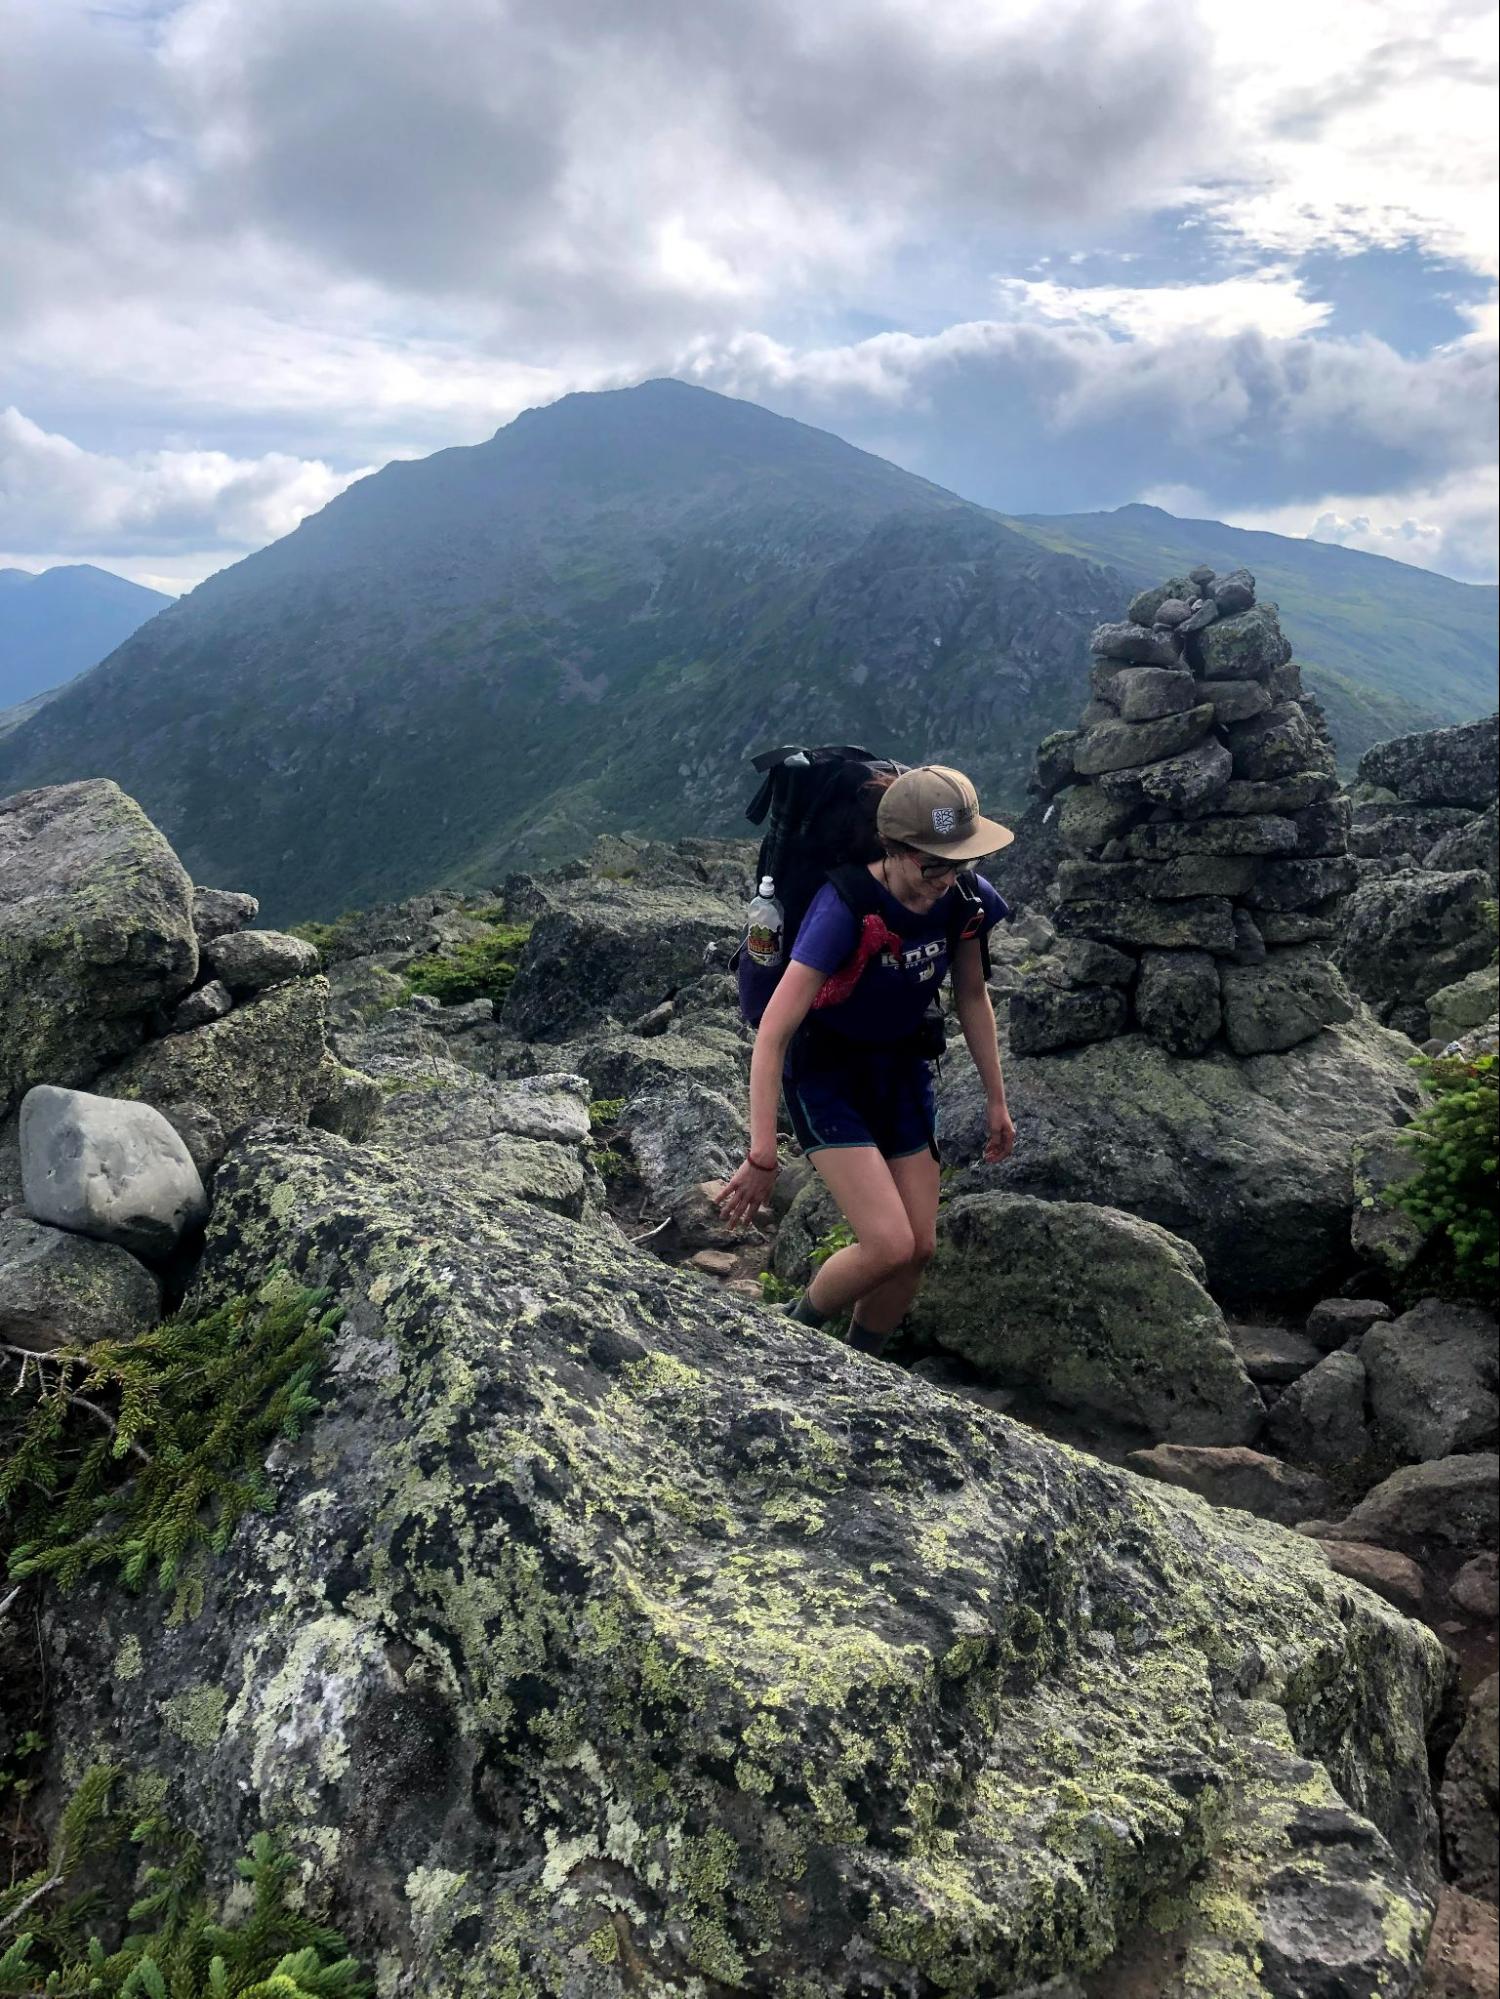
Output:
x=968 y=921
x=856 y=887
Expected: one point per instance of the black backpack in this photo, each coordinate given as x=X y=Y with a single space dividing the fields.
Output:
x=819 y=809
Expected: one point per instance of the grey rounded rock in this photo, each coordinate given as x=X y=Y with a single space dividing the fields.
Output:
x=250 y=960
x=1237 y=700
x=218 y=911
x=61 y=1289
x=1234 y=592
x=1134 y=645
x=110 y=1169
x=1476 y=1587
x=1320 y=1420
x=1092 y=1308
x=1147 y=693
x=1333 y=1322
x=1433 y=1377
x=1173 y=611
x=210 y=1002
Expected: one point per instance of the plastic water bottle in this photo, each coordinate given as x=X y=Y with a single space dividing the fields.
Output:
x=764 y=927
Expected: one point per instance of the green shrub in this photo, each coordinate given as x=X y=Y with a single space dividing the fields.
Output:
x=198 y=1403
x=840 y=1236
x=775 y=1290
x=605 y=1111
x=1455 y=1137
x=482 y=968
x=177 y=1949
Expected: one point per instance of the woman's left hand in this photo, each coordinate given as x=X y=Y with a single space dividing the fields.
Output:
x=1000 y=1138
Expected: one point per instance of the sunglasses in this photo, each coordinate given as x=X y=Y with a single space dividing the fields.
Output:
x=932 y=871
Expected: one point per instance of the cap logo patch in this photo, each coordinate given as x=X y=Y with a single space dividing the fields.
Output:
x=944 y=818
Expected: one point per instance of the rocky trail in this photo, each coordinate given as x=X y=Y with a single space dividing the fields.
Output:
x=575 y=1624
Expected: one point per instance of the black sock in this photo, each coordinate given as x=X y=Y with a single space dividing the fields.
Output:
x=805 y=1312
x=863 y=1340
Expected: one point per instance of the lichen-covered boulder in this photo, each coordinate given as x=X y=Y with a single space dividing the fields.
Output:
x=683 y=1133
x=514 y=1141
x=1248 y=646
x=1454 y=766
x=1406 y=936
x=96 y=931
x=611 y=1636
x=1125 y=1124
x=60 y=1289
x=266 y=1059
x=618 y=949
x=1292 y=995
x=247 y=961
x=1092 y=1308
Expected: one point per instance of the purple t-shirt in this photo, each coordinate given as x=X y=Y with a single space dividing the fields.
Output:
x=892 y=994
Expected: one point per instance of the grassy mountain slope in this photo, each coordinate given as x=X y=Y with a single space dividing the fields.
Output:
x=480 y=659
x=60 y=622
x=1387 y=648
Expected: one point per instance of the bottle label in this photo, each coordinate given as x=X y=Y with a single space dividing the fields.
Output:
x=764 y=944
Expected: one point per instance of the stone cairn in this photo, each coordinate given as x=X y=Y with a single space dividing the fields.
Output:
x=1205 y=841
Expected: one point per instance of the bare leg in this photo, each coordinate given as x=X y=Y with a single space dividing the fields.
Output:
x=882 y=1310
x=863 y=1185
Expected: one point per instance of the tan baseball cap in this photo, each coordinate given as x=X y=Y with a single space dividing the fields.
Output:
x=937 y=810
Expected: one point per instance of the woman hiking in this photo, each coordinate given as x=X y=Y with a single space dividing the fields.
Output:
x=842 y=1035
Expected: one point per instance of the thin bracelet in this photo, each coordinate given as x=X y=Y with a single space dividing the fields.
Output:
x=774 y=1167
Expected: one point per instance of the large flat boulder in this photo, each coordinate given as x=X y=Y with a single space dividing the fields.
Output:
x=1125 y=1124
x=1090 y=1307
x=615 y=951
x=96 y=931
x=1454 y=766
x=605 y=1627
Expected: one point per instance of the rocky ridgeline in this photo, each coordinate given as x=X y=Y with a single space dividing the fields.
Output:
x=610 y=1633
x=1205 y=844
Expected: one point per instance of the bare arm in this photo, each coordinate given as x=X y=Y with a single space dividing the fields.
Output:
x=788 y=1008
x=976 y=1016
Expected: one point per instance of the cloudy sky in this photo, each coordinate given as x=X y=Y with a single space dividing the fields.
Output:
x=1238 y=260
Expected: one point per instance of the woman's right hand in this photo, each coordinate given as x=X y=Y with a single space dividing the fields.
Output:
x=746 y=1192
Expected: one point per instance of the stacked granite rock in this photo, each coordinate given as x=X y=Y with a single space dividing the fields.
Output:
x=1205 y=840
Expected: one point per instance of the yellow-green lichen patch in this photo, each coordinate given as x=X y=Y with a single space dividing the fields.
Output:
x=196 y=1715
x=129 y=1659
